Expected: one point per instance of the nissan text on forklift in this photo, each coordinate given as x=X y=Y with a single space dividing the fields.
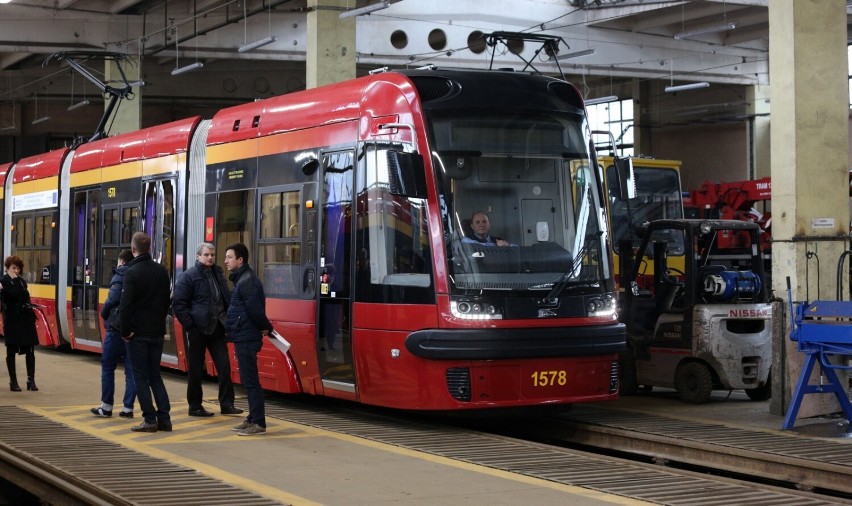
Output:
x=705 y=327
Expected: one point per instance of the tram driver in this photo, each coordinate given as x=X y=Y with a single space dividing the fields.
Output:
x=481 y=226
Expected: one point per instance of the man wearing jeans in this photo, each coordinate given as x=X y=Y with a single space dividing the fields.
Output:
x=246 y=323
x=115 y=348
x=145 y=301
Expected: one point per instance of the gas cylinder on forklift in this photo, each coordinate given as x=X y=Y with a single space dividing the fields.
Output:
x=706 y=326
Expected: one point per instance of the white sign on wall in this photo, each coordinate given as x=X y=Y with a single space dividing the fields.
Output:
x=822 y=223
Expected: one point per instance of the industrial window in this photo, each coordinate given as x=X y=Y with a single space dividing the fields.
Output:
x=616 y=118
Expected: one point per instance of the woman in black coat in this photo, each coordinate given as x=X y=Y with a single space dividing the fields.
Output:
x=18 y=322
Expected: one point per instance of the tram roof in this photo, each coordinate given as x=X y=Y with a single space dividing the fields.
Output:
x=39 y=166
x=4 y=171
x=153 y=142
x=333 y=103
x=369 y=96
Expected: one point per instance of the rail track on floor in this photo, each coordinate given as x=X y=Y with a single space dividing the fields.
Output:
x=602 y=449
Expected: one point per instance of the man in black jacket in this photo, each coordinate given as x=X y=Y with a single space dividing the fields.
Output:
x=142 y=313
x=200 y=301
x=246 y=323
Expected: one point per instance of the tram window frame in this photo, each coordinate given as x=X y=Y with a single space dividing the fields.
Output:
x=117 y=238
x=398 y=272
x=236 y=223
x=276 y=236
x=33 y=244
x=161 y=190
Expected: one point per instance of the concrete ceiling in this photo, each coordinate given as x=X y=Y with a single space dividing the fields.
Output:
x=632 y=39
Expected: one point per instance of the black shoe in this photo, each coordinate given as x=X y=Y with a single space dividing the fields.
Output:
x=231 y=410
x=200 y=412
x=101 y=412
x=125 y=414
x=164 y=426
x=32 y=386
x=145 y=427
x=13 y=386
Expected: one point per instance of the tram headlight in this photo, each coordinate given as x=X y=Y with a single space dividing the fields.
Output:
x=600 y=305
x=475 y=310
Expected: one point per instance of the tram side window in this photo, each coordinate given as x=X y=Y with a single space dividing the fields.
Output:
x=118 y=228
x=32 y=241
x=279 y=249
x=159 y=220
x=393 y=255
x=235 y=222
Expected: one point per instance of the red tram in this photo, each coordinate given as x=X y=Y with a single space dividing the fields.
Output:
x=354 y=200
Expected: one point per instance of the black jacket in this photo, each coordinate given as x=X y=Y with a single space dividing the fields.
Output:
x=144 y=298
x=114 y=295
x=192 y=302
x=247 y=312
x=18 y=314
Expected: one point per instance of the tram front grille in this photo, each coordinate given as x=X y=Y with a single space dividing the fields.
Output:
x=613 y=377
x=458 y=383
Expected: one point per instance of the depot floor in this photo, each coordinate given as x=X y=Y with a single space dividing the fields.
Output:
x=291 y=464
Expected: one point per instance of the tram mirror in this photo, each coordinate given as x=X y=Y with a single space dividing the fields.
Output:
x=626 y=182
x=406 y=174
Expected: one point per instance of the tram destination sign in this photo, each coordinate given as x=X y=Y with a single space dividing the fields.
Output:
x=35 y=200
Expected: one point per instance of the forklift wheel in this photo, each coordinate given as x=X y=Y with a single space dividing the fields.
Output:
x=694 y=383
x=761 y=393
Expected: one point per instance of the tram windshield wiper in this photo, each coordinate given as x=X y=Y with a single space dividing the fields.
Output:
x=552 y=298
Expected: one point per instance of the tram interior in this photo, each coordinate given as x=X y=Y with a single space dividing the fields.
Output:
x=523 y=198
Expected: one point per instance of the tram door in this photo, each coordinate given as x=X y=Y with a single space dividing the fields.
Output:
x=159 y=222
x=334 y=325
x=85 y=267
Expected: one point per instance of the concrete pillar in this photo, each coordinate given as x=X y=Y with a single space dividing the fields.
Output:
x=810 y=160
x=758 y=132
x=128 y=114
x=331 y=43
x=641 y=124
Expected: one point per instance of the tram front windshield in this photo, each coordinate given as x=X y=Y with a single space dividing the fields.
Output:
x=531 y=177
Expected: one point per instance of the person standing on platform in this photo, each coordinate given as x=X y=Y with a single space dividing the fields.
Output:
x=18 y=322
x=145 y=301
x=246 y=324
x=115 y=348
x=200 y=301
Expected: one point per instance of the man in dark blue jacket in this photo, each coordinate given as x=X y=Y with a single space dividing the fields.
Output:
x=145 y=301
x=246 y=323
x=115 y=348
x=200 y=301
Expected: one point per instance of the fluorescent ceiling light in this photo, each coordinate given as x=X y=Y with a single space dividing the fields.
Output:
x=9 y=127
x=708 y=29
x=601 y=100
x=576 y=54
x=684 y=87
x=256 y=44
x=365 y=10
x=78 y=105
x=187 y=68
x=41 y=120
